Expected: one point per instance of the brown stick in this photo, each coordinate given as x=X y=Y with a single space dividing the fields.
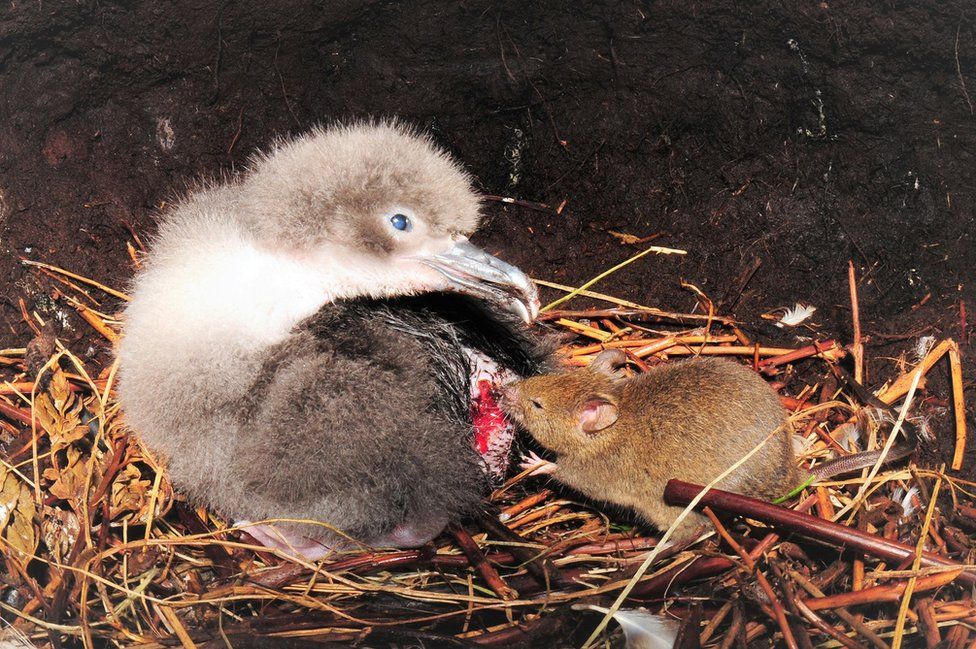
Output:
x=96 y=323
x=703 y=567
x=526 y=503
x=631 y=310
x=532 y=205
x=958 y=407
x=967 y=511
x=15 y=413
x=681 y=493
x=857 y=567
x=957 y=637
x=822 y=625
x=542 y=569
x=798 y=354
x=779 y=613
x=841 y=612
x=825 y=507
x=857 y=349
x=734 y=629
x=707 y=350
x=26 y=317
x=886 y=593
x=802 y=634
x=648 y=346
x=715 y=622
x=900 y=386
x=688 y=571
x=480 y=563
x=794 y=404
x=177 y=625
x=930 y=628
x=636 y=544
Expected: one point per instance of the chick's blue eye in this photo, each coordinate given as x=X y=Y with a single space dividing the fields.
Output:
x=401 y=222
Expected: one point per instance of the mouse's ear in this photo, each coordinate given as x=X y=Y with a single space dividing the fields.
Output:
x=598 y=412
x=610 y=362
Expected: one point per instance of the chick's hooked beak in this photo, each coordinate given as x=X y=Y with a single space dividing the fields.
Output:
x=470 y=270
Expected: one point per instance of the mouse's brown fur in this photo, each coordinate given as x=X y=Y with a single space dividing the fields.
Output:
x=620 y=439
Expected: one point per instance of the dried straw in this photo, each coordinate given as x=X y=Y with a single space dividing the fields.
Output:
x=98 y=550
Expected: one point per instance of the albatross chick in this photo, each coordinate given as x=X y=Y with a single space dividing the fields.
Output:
x=311 y=340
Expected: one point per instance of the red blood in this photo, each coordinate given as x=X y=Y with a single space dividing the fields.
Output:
x=487 y=417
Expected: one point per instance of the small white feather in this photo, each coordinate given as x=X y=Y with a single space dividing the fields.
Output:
x=642 y=629
x=11 y=638
x=800 y=444
x=898 y=494
x=796 y=316
x=924 y=346
x=848 y=435
x=906 y=500
x=924 y=426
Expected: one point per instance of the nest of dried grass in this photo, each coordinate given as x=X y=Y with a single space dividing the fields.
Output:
x=99 y=551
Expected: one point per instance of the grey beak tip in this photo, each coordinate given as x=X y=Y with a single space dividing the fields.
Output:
x=472 y=271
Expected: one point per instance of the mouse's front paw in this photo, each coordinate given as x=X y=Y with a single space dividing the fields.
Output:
x=538 y=465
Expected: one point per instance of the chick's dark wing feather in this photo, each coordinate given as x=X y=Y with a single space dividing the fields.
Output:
x=358 y=419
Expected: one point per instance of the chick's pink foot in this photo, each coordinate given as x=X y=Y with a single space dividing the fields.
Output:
x=271 y=536
x=405 y=535
x=410 y=535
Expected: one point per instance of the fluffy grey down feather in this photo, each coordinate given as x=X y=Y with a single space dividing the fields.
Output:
x=268 y=404
x=360 y=419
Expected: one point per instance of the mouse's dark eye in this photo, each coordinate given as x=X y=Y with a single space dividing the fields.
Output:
x=536 y=403
x=401 y=222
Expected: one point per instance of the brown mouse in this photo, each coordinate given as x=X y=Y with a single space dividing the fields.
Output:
x=620 y=439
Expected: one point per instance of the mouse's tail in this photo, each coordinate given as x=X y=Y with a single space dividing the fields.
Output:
x=857 y=461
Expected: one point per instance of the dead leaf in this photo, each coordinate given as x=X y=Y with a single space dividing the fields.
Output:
x=58 y=412
x=71 y=480
x=141 y=561
x=130 y=492
x=9 y=493
x=60 y=529
x=630 y=239
x=40 y=349
x=17 y=516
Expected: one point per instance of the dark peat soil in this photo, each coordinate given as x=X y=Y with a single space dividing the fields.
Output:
x=785 y=137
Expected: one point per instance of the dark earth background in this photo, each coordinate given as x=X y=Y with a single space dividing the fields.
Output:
x=798 y=134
